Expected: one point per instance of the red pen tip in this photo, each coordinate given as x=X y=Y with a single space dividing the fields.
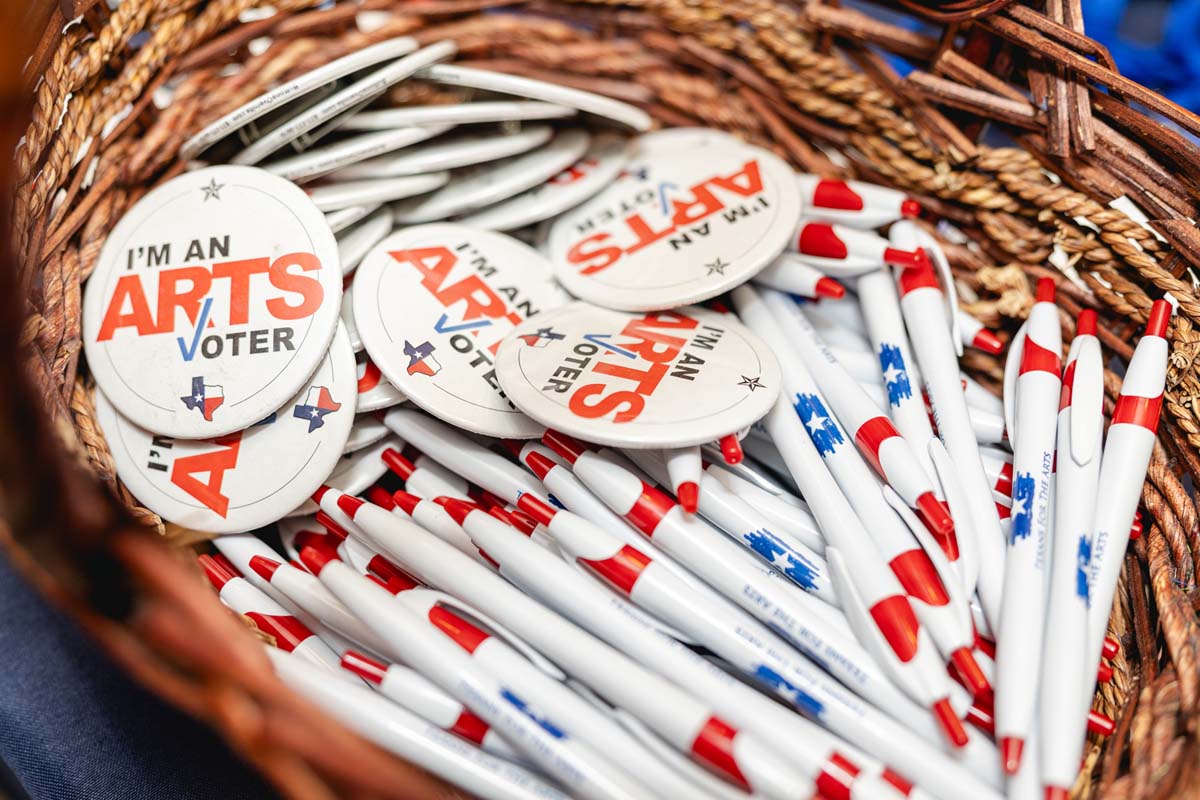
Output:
x=457 y=509
x=1104 y=673
x=988 y=342
x=350 y=504
x=1100 y=724
x=910 y=208
x=982 y=718
x=535 y=508
x=319 y=493
x=969 y=671
x=407 y=502
x=364 y=667
x=828 y=287
x=315 y=559
x=731 y=449
x=1045 y=290
x=566 y=446
x=904 y=258
x=951 y=725
x=1010 y=753
x=264 y=567
x=1111 y=647
x=397 y=463
x=1057 y=793
x=331 y=525
x=380 y=497
x=688 y=494
x=936 y=516
x=540 y=464
x=1160 y=315
x=1085 y=325
x=218 y=575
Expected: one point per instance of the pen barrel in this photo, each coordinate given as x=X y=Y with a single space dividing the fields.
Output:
x=924 y=314
x=794 y=520
x=789 y=273
x=1062 y=709
x=306 y=591
x=854 y=204
x=897 y=365
x=272 y=619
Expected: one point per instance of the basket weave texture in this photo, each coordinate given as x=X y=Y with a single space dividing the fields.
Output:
x=807 y=80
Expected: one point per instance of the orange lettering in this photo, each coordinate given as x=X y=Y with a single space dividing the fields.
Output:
x=215 y=463
x=310 y=289
x=580 y=256
x=632 y=401
x=239 y=273
x=128 y=287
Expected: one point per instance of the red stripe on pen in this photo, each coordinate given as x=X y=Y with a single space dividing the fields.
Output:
x=837 y=775
x=464 y=634
x=1068 y=383
x=393 y=574
x=919 y=577
x=470 y=727
x=895 y=619
x=566 y=446
x=649 y=509
x=904 y=787
x=836 y=195
x=1004 y=482
x=622 y=570
x=1003 y=511
x=287 y=631
x=365 y=667
x=1035 y=358
x=871 y=434
x=714 y=746
x=922 y=277
x=1140 y=411
x=818 y=239
x=397 y=463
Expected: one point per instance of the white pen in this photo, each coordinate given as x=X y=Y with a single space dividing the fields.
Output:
x=786 y=512
x=424 y=481
x=735 y=574
x=303 y=589
x=450 y=448
x=779 y=550
x=683 y=720
x=843 y=252
x=924 y=309
x=409 y=689
x=399 y=731
x=683 y=472
x=1127 y=451
x=936 y=596
x=874 y=434
x=580 y=769
x=707 y=617
x=1023 y=611
x=856 y=204
x=553 y=581
x=287 y=632
x=433 y=518
x=975 y=334
x=790 y=273
x=1061 y=719
x=552 y=471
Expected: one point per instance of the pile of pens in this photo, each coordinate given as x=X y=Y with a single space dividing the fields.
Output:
x=777 y=544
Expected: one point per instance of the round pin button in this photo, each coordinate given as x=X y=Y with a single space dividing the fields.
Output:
x=455 y=114
x=354 y=472
x=368 y=429
x=461 y=290
x=682 y=226
x=597 y=168
x=213 y=301
x=652 y=379
x=374 y=390
x=451 y=152
x=246 y=479
x=484 y=184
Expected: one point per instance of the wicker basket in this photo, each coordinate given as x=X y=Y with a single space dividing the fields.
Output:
x=807 y=79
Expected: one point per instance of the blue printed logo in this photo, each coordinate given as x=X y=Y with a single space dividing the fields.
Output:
x=1022 y=506
x=803 y=701
x=1083 y=561
x=895 y=374
x=782 y=557
x=528 y=711
x=822 y=428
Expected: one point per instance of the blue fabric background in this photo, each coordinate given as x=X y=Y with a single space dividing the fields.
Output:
x=72 y=727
